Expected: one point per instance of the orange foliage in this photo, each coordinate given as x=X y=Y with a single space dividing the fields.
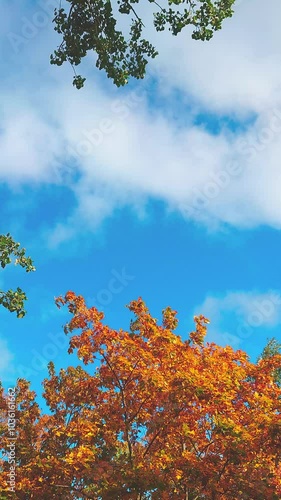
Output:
x=155 y=417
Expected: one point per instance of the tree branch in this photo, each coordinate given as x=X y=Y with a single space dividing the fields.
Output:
x=70 y=488
x=126 y=422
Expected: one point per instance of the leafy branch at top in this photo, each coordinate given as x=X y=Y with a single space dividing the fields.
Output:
x=91 y=25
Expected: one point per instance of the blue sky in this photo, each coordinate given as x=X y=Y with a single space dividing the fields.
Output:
x=170 y=186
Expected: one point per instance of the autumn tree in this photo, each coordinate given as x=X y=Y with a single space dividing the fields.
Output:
x=95 y=25
x=147 y=416
x=13 y=300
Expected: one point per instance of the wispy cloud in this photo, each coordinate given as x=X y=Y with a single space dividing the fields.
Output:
x=6 y=361
x=118 y=150
x=239 y=315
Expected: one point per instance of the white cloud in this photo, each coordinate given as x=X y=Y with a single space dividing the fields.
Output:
x=29 y=146
x=126 y=152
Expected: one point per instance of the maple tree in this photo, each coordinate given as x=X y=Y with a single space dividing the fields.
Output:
x=149 y=416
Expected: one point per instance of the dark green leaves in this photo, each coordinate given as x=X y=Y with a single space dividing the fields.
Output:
x=14 y=300
x=9 y=247
x=91 y=25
